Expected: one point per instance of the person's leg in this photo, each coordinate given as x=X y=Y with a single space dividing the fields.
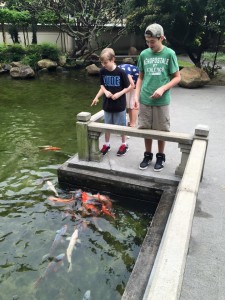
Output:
x=107 y=137
x=161 y=122
x=161 y=146
x=106 y=147
x=148 y=145
x=145 y=121
x=120 y=119
x=133 y=114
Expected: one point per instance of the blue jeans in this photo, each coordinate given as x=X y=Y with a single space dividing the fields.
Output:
x=116 y=118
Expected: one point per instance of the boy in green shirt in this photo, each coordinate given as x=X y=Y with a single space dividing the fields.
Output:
x=159 y=72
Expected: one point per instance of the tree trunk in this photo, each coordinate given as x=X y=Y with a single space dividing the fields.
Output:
x=34 y=33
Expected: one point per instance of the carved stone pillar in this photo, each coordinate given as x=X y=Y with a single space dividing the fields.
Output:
x=185 y=151
x=83 y=119
x=95 y=154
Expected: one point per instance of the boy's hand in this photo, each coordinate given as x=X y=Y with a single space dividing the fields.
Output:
x=115 y=96
x=136 y=104
x=158 y=93
x=108 y=94
x=95 y=101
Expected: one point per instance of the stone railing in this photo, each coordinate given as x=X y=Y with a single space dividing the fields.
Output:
x=89 y=129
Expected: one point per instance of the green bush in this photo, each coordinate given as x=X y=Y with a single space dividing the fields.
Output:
x=15 y=52
x=11 y=53
x=49 y=51
x=29 y=55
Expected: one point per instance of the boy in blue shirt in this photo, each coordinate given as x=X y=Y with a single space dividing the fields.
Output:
x=114 y=86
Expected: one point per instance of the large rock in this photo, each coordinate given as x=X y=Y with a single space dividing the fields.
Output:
x=93 y=69
x=47 y=63
x=4 y=68
x=22 y=72
x=193 y=77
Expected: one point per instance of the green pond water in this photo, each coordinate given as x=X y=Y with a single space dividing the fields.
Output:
x=43 y=112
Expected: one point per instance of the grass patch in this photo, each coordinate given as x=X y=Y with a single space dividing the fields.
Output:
x=209 y=56
x=183 y=63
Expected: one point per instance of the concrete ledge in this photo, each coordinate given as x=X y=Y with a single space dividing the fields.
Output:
x=167 y=274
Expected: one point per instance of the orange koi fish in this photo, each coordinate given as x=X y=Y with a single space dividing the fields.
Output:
x=85 y=196
x=61 y=200
x=103 y=199
x=107 y=212
x=49 y=148
x=92 y=208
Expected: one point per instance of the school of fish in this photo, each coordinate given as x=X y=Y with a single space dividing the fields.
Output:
x=79 y=206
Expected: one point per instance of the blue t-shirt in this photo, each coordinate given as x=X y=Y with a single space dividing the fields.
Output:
x=130 y=70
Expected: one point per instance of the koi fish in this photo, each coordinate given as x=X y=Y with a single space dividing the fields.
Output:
x=84 y=197
x=49 y=148
x=107 y=212
x=57 y=240
x=51 y=187
x=62 y=200
x=103 y=199
x=73 y=240
x=92 y=208
x=87 y=295
x=52 y=267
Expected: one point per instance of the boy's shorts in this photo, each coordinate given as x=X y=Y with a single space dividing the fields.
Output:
x=116 y=118
x=154 y=117
x=130 y=99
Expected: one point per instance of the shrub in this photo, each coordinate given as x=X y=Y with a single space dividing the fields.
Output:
x=11 y=53
x=15 y=52
x=49 y=51
x=29 y=55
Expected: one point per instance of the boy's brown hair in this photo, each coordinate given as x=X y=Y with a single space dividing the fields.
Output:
x=107 y=54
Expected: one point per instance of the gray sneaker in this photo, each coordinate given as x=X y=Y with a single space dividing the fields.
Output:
x=146 y=160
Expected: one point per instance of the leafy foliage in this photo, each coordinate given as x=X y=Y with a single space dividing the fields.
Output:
x=191 y=26
x=11 y=53
x=29 y=55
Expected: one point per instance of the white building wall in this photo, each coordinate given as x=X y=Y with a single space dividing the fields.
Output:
x=66 y=43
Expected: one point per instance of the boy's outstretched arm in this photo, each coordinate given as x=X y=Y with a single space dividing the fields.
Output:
x=99 y=94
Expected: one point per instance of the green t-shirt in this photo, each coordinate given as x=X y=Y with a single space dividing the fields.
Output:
x=157 y=68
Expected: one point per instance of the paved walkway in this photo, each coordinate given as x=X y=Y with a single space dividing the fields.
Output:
x=204 y=277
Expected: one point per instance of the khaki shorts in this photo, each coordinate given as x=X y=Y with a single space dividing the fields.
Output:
x=154 y=117
x=130 y=99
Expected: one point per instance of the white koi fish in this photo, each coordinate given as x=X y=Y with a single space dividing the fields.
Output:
x=87 y=295
x=73 y=240
x=57 y=241
x=51 y=186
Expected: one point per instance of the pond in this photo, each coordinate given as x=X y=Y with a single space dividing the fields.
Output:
x=43 y=112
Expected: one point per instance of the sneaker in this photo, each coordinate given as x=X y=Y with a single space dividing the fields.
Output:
x=160 y=160
x=146 y=160
x=122 y=150
x=105 y=149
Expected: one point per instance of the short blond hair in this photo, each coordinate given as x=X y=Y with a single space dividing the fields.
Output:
x=107 y=54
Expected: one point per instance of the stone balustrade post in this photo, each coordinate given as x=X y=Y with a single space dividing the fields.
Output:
x=185 y=151
x=95 y=154
x=201 y=132
x=83 y=119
